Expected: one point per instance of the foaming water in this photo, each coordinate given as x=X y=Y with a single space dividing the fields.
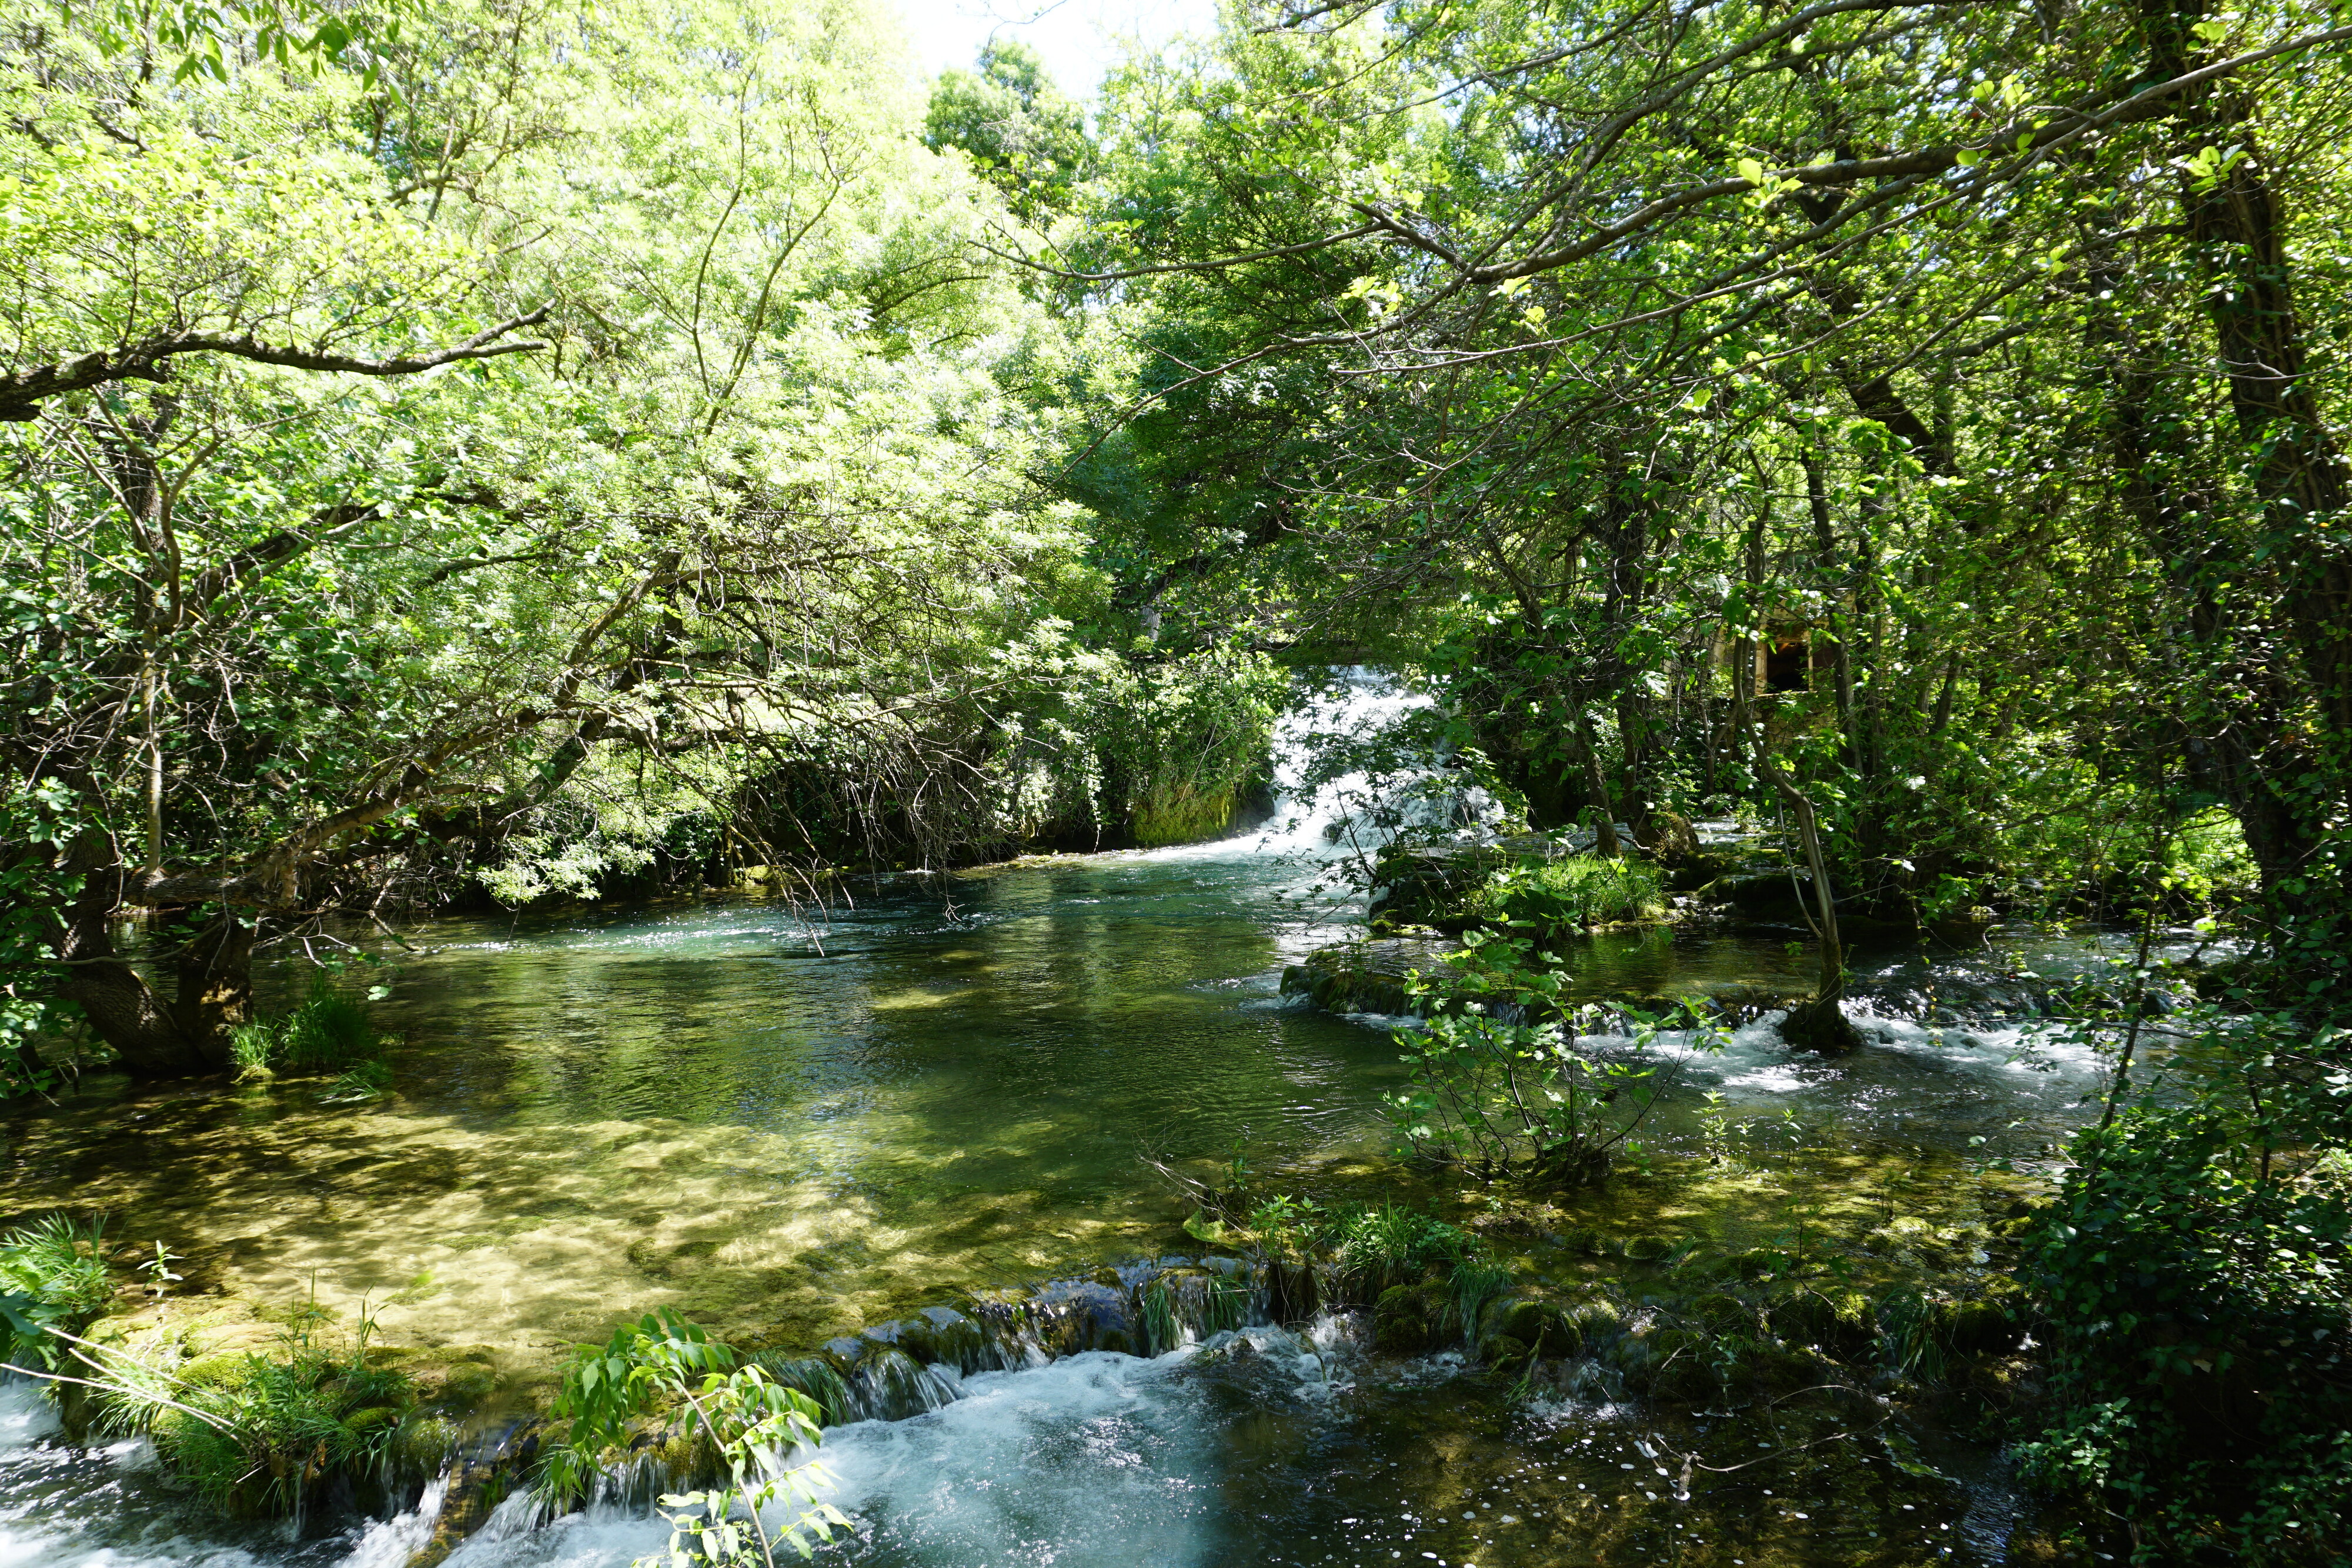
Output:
x=1266 y=1447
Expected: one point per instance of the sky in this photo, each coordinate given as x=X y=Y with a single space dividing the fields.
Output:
x=1078 y=39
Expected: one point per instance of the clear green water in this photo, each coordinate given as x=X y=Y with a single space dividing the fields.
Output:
x=786 y=1127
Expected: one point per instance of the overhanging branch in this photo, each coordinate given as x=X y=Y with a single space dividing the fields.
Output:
x=22 y=392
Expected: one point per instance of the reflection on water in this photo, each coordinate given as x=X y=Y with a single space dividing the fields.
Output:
x=787 y=1129
x=791 y=1128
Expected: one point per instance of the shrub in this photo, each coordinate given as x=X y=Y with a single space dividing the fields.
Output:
x=252 y=1049
x=748 y=1423
x=1501 y=1084
x=2196 y=1275
x=1474 y=1286
x=257 y=1435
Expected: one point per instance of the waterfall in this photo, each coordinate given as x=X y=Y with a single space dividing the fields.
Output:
x=1349 y=774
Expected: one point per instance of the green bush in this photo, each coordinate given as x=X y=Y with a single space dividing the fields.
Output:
x=1500 y=1086
x=749 y=1426
x=2196 y=1274
x=257 y=1435
x=1474 y=1286
x=1553 y=898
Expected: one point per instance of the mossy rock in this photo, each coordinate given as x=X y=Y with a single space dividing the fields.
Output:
x=1401 y=1322
x=1721 y=1313
x=1587 y=1242
x=1595 y=1319
x=1784 y=1371
x=1650 y=1249
x=422 y=1445
x=1981 y=1328
x=221 y=1369
x=1544 y=1329
x=375 y=1418
x=1505 y=1352
x=1667 y=1342
x=1841 y=1320
x=467 y=1383
x=1682 y=1368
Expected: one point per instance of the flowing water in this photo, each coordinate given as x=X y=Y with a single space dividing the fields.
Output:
x=790 y=1123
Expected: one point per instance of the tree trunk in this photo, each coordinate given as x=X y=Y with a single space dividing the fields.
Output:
x=1817 y=1023
x=2289 y=784
x=153 y=1040
x=1596 y=786
x=1836 y=585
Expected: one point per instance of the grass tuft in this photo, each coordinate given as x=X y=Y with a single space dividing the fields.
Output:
x=51 y=1276
x=331 y=1032
x=257 y=1435
x=1556 y=897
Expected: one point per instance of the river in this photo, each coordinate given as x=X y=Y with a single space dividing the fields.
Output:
x=786 y=1122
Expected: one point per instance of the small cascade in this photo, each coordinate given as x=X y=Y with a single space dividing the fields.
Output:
x=910 y=1367
x=1337 y=785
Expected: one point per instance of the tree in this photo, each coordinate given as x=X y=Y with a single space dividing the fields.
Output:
x=1020 y=132
x=320 y=585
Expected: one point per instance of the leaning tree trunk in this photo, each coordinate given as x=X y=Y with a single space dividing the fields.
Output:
x=1818 y=1022
x=213 y=972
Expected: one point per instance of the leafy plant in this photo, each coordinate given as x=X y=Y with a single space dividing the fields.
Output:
x=750 y=1424
x=1285 y=1226
x=1553 y=898
x=1392 y=1245
x=2196 y=1277
x=52 y=1276
x=158 y=1270
x=258 y=1433
x=329 y=1032
x=1503 y=1086
x=253 y=1050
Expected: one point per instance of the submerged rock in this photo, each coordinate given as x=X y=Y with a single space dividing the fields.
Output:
x=1544 y=1329
x=1368 y=976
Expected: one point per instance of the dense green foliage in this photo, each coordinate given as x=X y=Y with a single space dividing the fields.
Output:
x=1915 y=427
x=1550 y=899
x=534 y=454
x=1502 y=1082
x=2196 y=1275
x=734 y=1419
x=508 y=453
